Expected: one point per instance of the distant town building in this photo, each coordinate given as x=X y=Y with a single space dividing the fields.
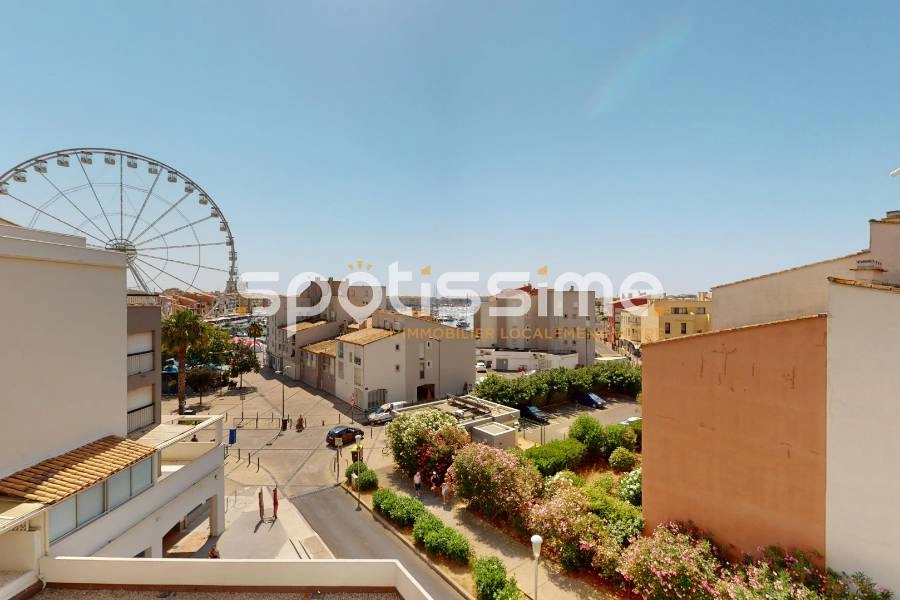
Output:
x=655 y=319
x=396 y=357
x=285 y=340
x=555 y=322
x=781 y=425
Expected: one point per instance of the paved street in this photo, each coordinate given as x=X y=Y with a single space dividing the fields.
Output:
x=561 y=419
x=351 y=534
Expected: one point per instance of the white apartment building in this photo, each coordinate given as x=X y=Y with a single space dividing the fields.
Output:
x=285 y=340
x=398 y=357
x=556 y=322
x=72 y=482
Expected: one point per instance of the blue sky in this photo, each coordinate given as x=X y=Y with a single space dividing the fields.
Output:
x=701 y=142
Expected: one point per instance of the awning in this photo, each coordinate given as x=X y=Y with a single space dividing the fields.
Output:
x=57 y=478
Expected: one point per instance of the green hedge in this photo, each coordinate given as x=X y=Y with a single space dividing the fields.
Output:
x=428 y=530
x=556 y=456
x=491 y=582
x=555 y=385
x=601 y=440
x=621 y=520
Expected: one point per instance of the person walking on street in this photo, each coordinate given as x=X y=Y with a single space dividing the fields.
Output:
x=435 y=483
x=445 y=491
x=417 y=482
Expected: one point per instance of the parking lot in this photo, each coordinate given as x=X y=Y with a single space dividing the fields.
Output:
x=562 y=416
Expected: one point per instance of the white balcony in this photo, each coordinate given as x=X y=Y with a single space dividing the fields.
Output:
x=141 y=362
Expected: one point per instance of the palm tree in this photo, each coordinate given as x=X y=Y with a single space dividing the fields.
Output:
x=255 y=330
x=181 y=332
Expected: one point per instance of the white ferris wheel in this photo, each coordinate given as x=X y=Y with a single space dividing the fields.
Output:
x=171 y=231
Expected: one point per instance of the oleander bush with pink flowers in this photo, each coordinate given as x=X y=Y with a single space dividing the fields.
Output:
x=500 y=484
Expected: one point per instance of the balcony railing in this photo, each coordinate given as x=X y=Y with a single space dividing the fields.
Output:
x=140 y=417
x=141 y=362
x=143 y=300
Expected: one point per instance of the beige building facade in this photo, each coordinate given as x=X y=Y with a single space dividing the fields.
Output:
x=539 y=320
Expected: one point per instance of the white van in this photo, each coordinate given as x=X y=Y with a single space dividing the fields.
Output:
x=385 y=412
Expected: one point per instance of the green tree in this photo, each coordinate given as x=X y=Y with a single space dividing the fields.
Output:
x=216 y=348
x=255 y=330
x=202 y=379
x=243 y=360
x=180 y=333
x=412 y=433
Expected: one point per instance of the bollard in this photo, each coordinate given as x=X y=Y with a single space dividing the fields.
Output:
x=239 y=454
x=248 y=459
x=323 y=422
x=257 y=419
x=257 y=464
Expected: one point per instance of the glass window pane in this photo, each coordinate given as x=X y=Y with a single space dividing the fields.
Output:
x=90 y=504
x=118 y=488
x=62 y=518
x=140 y=476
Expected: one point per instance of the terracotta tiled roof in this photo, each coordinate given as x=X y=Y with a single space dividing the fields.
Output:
x=301 y=326
x=366 y=336
x=326 y=347
x=57 y=478
x=873 y=285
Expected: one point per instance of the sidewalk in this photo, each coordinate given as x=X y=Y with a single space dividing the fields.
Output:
x=287 y=537
x=487 y=540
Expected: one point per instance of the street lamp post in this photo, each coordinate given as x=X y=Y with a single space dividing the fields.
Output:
x=536 y=542
x=355 y=474
x=283 y=419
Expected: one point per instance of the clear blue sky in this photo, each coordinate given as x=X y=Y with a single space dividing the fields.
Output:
x=702 y=142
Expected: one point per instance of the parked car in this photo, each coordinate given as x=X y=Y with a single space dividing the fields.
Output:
x=345 y=433
x=385 y=413
x=533 y=413
x=480 y=367
x=630 y=420
x=589 y=399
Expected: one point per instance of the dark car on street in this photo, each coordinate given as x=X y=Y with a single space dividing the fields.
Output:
x=345 y=433
x=533 y=413
x=590 y=399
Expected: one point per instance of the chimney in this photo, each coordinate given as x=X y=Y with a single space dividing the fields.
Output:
x=869 y=269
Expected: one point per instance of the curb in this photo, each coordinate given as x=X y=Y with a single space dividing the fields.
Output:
x=463 y=592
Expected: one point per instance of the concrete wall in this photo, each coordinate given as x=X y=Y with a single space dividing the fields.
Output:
x=863 y=421
x=20 y=550
x=63 y=371
x=734 y=434
x=793 y=293
x=166 y=573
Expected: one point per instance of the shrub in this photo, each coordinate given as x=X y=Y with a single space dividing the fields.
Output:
x=570 y=476
x=425 y=524
x=448 y=542
x=383 y=500
x=491 y=582
x=509 y=591
x=620 y=519
x=569 y=530
x=670 y=564
x=622 y=459
x=405 y=510
x=617 y=436
x=638 y=428
x=367 y=481
x=589 y=432
x=497 y=482
x=604 y=483
x=415 y=443
x=557 y=455
x=358 y=467
x=556 y=384
x=630 y=487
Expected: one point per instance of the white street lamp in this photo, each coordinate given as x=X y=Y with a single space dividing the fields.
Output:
x=536 y=542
